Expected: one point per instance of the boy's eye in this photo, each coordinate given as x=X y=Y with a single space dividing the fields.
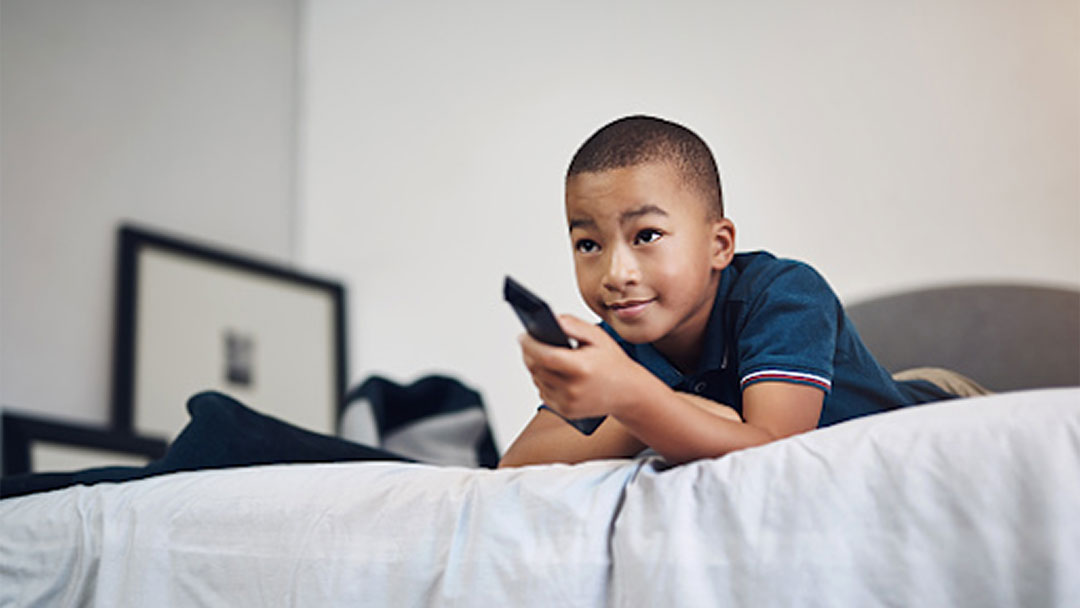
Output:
x=586 y=246
x=646 y=236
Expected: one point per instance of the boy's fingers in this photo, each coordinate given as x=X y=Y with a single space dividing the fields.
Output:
x=547 y=392
x=540 y=355
x=579 y=329
x=547 y=376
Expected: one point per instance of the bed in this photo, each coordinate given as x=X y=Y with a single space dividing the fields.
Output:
x=967 y=502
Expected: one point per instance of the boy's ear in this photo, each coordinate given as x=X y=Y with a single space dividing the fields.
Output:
x=723 y=243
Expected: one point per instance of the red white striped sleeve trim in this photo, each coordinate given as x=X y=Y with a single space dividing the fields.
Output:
x=786 y=376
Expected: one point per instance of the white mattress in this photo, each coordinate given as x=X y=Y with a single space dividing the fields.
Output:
x=971 y=502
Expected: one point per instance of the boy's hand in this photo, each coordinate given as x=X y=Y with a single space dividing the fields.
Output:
x=597 y=378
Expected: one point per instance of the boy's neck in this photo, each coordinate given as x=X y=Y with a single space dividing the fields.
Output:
x=683 y=354
x=683 y=347
x=685 y=362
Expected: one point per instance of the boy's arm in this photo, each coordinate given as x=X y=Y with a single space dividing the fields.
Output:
x=772 y=410
x=548 y=438
x=598 y=378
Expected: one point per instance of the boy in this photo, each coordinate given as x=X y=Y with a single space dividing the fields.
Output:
x=702 y=351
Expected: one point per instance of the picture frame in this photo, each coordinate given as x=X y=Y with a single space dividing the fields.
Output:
x=192 y=317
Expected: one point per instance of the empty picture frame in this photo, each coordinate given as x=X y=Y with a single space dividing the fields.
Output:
x=192 y=317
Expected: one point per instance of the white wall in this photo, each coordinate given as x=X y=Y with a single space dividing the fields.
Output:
x=179 y=115
x=892 y=145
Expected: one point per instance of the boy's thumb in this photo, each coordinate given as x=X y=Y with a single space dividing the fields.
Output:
x=576 y=328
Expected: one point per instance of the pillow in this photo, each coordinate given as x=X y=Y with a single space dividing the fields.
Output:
x=436 y=420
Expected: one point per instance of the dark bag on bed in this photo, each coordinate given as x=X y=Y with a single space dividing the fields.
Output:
x=436 y=420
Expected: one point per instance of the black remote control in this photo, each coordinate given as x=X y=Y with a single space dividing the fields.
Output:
x=541 y=324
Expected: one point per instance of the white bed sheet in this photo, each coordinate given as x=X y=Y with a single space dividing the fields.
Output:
x=367 y=534
x=972 y=502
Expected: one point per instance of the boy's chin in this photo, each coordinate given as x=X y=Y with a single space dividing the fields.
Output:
x=636 y=333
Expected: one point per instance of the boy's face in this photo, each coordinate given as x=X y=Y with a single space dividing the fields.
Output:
x=647 y=254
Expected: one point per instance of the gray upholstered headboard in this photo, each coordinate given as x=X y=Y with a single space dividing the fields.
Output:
x=1006 y=337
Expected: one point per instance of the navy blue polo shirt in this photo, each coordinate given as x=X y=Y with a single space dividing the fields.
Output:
x=777 y=320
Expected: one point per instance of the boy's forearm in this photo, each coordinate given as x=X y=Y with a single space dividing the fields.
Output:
x=679 y=426
x=548 y=439
x=681 y=430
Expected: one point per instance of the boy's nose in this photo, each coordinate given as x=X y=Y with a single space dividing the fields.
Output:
x=622 y=270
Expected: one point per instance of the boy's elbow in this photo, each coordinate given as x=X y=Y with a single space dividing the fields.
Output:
x=520 y=456
x=523 y=456
x=508 y=462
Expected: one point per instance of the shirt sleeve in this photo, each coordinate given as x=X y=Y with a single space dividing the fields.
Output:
x=788 y=331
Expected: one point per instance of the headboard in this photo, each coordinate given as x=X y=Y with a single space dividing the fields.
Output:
x=1006 y=337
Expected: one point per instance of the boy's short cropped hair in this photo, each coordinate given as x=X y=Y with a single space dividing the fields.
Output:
x=634 y=140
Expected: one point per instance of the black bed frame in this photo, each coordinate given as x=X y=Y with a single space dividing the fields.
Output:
x=21 y=431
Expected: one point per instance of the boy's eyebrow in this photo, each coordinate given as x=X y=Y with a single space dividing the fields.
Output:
x=640 y=211
x=582 y=223
x=627 y=216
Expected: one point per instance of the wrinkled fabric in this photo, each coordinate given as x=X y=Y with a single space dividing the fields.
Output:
x=971 y=502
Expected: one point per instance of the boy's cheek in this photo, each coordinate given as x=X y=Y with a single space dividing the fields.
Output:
x=597 y=309
x=582 y=276
x=586 y=288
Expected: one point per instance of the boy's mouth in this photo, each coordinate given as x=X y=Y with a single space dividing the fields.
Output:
x=628 y=309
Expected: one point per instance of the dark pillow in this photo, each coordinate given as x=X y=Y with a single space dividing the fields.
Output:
x=435 y=419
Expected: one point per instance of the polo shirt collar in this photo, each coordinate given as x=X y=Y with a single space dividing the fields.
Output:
x=714 y=352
